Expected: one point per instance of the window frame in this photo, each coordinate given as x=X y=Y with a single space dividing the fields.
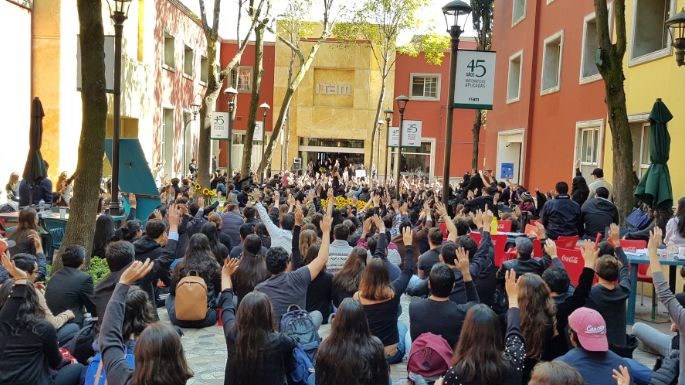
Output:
x=556 y=36
x=655 y=55
x=438 y=88
x=515 y=22
x=165 y=65
x=162 y=138
x=186 y=49
x=582 y=126
x=237 y=80
x=586 y=20
x=204 y=69
x=513 y=57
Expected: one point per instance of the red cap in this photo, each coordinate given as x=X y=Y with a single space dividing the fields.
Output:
x=591 y=329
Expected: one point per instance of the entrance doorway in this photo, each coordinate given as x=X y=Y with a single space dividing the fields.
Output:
x=316 y=152
x=510 y=155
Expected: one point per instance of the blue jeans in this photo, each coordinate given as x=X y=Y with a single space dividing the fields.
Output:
x=639 y=373
x=403 y=345
x=66 y=332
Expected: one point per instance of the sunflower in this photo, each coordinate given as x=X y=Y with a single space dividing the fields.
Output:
x=198 y=186
x=205 y=191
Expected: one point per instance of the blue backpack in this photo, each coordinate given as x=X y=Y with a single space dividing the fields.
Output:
x=299 y=325
x=303 y=371
x=95 y=374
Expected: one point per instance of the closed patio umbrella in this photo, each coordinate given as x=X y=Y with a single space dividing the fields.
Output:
x=34 y=170
x=655 y=186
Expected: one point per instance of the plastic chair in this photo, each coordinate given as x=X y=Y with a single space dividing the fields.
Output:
x=56 y=228
x=566 y=242
x=642 y=273
x=443 y=228
x=573 y=262
x=537 y=248
x=504 y=226
x=500 y=243
x=476 y=237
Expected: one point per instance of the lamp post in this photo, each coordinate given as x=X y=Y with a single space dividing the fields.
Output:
x=676 y=28
x=380 y=123
x=402 y=102
x=118 y=12
x=265 y=108
x=456 y=12
x=194 y=109
x=230 y=93
x=388 y=118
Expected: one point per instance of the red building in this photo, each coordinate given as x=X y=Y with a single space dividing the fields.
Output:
x=427 y=87
x=549 y=97
x=244 y=77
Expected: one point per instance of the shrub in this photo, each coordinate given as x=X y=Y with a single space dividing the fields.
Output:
x=98 y=269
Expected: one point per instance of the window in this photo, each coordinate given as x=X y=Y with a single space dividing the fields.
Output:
x=649 y=32
x=518 y=12
x=204 y=69
x=588 y=68
x=169 y=43
x=244 y=77
x=588 y=146
x=425 y=86
x=417 y=161
x=551 y=63
x=640 y=135
x=167 y=139
x=514 y=83
x=188 y=61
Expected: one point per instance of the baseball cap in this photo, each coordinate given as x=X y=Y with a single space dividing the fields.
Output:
x=590 y=328
x=524 y=245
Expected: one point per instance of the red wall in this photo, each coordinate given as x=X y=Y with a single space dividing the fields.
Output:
x=433 y=114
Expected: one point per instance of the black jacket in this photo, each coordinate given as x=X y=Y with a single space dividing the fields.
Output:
x=70 y=289
x=597 y=214
x=525 y=265
x=561 y=216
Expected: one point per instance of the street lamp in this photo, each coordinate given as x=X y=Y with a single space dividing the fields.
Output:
x=380 y=123
x=265 y=108
x=456 y=13
x=194 y=109
x=676 y=27
x=402 y=102
x=388 y=118
x=118 y=12
x=230 y=93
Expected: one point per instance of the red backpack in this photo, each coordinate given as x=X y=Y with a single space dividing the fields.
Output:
x=430 y=356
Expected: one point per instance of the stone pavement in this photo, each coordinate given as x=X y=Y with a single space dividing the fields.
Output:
x=205 y=348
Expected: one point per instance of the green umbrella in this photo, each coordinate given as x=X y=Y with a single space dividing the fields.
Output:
x=655 y=186
x=34 y=170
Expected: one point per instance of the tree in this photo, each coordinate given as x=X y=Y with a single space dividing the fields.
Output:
x=216 y=77
x=84 y=205
x=482 y=24
x=291 y=29
x=610 y=65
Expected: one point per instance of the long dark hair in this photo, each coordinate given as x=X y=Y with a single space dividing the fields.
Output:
x=350 y=354
x=375 y=284
x=159 y=357
x=198 y=258
x=254 y=323
x=349 y=277
x=210 y=231
x=252 y=271
x=104 y=232
x=479 y=352
x=680 y=214
x=29 y=312
x=27 y=223
x=138 y=313
x=129 y=231
x=538 y=314
x=579 y=189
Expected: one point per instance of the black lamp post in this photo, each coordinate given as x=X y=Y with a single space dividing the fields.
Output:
x=230 y=93
x=676 y=28
x=388 y=118
x=194 y=109
x=456 y=12
x=402 y=102
x=265 y=108
x=118 y=12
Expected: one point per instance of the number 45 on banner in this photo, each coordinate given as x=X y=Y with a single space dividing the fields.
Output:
x=474 y=80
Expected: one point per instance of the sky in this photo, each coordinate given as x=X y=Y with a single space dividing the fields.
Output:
x=431 y=16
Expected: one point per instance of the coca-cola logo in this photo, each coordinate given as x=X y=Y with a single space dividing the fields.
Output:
x=569 y=259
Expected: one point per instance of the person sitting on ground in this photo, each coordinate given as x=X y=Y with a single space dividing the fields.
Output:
x=591 y=356
x=598 y=213
x=219 y=251
x=340 y=248
x=130 y=231
x=437 y=314
x=346 y=281
x=232 y=223
x=159 y=357
x=29 y=342
x=252 y=270
x=481 y=357
x=432 y=256
x=223 y=237
x=561 y=215
x=559 y=282
x=245 y=230
x=280 y=236
x=38 y=253
x=104 y=234
x=70 y=288
x=351 y=354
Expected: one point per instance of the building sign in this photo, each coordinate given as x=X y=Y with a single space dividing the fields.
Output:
x=475 y=80
x=258 y=131
x=506 y=171
x=411 y=134
x=336 y=89
x=220 y=125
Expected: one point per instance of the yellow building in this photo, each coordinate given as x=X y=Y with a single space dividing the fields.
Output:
x=651 y=72
x=333 y=111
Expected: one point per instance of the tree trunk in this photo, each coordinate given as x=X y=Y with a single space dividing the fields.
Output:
x=477 y=125
x=254 y=104
x=83 y=209
x=379 y=108
x=206 y=111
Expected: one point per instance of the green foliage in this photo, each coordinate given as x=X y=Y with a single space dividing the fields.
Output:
x=98 y=269
x=482 y=22
x=433 y=46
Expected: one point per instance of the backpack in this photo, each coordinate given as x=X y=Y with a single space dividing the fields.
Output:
x=430 y=356
x=81 y=344
x=303 y=371
x=299 y=325
x=191 y=298
x=95 y=373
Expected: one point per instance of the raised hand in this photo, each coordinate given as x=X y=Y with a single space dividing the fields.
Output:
x=487 y=219
x=366 y=227
x=380 y=225
x=540 y=230
x=174 y=217
x=590 y=254
x=135 y=272
x=325 y=224
x=655 y=241
x=441 y=209
x=407 y=236
x=463 y=264
x=230 y=266
x=35 y=238
x=622 y=376
x=614 y=235
x=132 y=201
x=299 y=216
x=512 y=288
x=478 y=219
x=551 y=248
x=16 y=273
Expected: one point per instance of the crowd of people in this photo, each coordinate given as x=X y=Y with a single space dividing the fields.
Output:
x=271 y=263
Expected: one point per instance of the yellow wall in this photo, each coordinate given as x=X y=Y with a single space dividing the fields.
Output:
x=661 y=78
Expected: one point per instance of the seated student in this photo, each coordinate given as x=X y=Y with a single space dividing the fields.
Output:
x=285 y=287
x=432 y=256
x=246 y=230
x=351 y=354
x=70 y=288
x=159 y=357
x=346 y=281
x=30 y=353
x=340 y=248
x=591 y=355
x=252 y=270
x=437 y=314
x=223 y=237
x=525 y=262
x=219 y=251
x=561 y=373
x=561 y=215
x=598 y=213
x=481 y=357
x=257 y=354
x=613 y=288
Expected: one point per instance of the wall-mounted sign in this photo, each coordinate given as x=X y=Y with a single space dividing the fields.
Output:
x=507 y=171
x=411 y=134
x=258 y=131
x=219 y=125
x=336 y=89
x=475 y=80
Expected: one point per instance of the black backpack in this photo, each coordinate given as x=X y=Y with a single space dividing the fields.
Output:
x=81 y=345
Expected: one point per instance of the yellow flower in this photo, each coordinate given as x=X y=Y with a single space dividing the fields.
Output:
x=198 y=186
x=205 y=191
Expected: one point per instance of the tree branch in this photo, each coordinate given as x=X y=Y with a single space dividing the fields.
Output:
x=215 y=22
x=203 y=14
x=621 y=39
x=287 y=42
x=243 y=44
